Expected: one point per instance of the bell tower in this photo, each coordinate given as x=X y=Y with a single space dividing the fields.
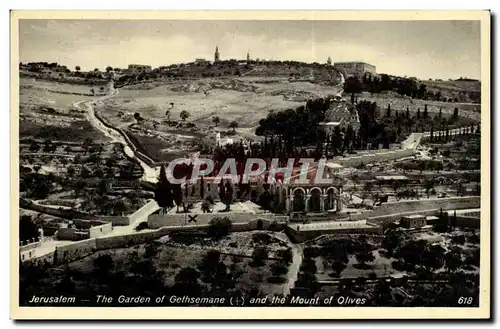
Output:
x=217 y=55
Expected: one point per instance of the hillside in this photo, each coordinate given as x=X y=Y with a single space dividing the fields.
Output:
x=463 y=91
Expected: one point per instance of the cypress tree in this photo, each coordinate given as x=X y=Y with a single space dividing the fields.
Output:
x=163 y=192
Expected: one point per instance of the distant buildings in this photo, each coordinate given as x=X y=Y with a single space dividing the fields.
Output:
x=413 y=221
x=355 y=68
x=137 y=68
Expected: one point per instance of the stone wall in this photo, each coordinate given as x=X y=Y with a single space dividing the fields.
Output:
x=69 y=233
x=72 y=214
x=29 y=246
x=311 y=234
x=75 y=250
x=83 y=248
x=97 y=231
x=27 y=254
x=150 y=207
x=161 y=220
x=394 y=210
x=466 y=221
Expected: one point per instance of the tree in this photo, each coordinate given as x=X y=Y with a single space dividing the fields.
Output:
x=177 y=195
x=103 y=187
x=28 y=230
x=233 y=125
x=338 y=267
x=265 y=200
x=227 y=198
x=392 y=240
x=186 y=282
x=453 y=259
x=279 y=268
x=309 y=265
x=219 y=227
x=216 y=120
x=364 y=256
x=428 y=185
x=163 y=192
x=109 y=69
x=77 y=68
x=214 y=271
x=119 y=206
x=34 y=147
x=184 y=115
x=286 y=255
x=259 y=255
x=205 y=206
x=103 y=265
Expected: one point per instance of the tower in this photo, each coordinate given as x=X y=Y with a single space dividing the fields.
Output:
x=329 y=61
x=248 y=56
x=217 y=55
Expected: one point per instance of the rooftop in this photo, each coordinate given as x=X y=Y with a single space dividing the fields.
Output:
x=331 y=225
x=353 y=62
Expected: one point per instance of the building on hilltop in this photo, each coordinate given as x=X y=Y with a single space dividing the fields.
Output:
x=200 y=61
x=355 y=68
x=329 y=61
x=217 y=55
x=138 y=68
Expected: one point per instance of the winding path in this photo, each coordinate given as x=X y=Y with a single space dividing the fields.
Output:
x=293 y=271
x=150 y=173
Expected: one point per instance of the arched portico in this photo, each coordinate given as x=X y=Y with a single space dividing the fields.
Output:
x=314 y=199
x=299 y=200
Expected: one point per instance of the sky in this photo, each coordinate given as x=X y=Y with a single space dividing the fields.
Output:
x=423 y=49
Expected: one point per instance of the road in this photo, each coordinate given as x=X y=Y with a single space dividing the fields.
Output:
x=293 y=271
x=150 y=173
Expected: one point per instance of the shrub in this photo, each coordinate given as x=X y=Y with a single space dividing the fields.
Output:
x=286 y=255
x=258 y=256
x=219 y=227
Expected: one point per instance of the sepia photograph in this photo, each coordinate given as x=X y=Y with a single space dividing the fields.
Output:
x=250 y=165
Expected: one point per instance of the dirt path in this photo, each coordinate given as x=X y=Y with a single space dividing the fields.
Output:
x=150 y=174
x=293 y=271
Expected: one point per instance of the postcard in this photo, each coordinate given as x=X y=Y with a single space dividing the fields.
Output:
x=250 y=165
